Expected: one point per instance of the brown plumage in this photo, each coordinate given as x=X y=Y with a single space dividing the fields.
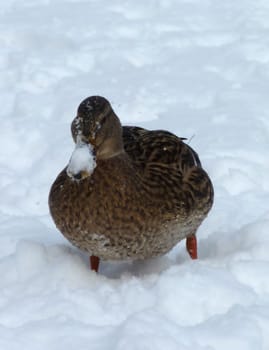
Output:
x=147 y=191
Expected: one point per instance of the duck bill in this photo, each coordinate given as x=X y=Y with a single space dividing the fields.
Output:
x=82 y=162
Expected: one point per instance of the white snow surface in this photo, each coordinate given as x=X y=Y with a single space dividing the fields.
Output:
x=197 y=68
x=82 y=159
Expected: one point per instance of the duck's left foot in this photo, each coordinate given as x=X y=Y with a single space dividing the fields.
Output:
x=191 y=245
x=94 y=262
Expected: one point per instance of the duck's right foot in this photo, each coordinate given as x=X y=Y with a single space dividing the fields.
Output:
x=94 y=262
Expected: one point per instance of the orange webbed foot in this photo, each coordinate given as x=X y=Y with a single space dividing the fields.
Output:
x=94 y=262
x=191 y=245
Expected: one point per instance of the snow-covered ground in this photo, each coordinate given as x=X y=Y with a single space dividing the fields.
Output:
x=197 y=68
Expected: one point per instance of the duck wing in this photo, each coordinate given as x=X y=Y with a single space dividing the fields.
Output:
x=171 y=170
x=147 y=147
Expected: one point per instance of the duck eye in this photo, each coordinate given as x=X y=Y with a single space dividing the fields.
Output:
x=102 y=121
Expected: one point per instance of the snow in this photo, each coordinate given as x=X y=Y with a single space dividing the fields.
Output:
x=199 y=69
x=82 y=160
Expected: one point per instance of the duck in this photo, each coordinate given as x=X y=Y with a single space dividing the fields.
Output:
x=128 y=193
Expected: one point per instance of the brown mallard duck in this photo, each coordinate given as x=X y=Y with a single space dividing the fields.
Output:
x=127 y=192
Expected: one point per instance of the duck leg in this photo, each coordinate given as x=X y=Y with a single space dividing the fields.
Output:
x=94 y=262
x=191 y=245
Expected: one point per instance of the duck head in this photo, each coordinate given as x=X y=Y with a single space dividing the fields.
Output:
x=97 y=133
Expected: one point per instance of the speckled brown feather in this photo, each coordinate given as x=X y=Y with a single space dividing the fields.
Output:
x=137 y=204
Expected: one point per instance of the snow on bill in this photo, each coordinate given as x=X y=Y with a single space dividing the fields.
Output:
x=82 y=160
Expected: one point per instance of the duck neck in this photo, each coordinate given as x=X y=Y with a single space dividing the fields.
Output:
x=110 y=148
